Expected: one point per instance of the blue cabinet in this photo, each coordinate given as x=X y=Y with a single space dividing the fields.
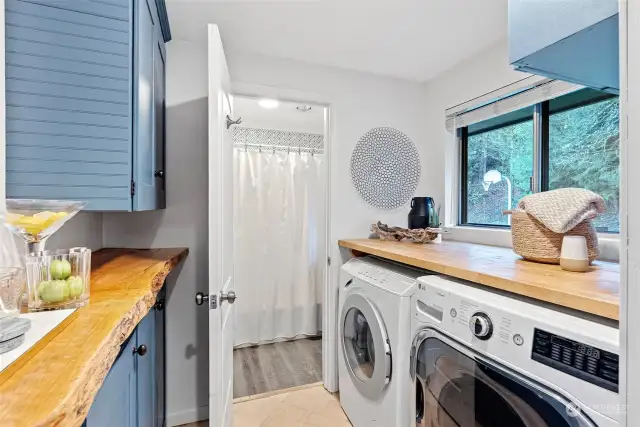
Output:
x=570 y=40
x=133 y=392
x=115 y=403
x=146 y=375
x=85 y=101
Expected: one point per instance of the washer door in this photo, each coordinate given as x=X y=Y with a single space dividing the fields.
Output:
x=365 y=346
x=455 y=386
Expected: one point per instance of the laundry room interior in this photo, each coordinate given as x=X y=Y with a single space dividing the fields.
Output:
x=319 y=213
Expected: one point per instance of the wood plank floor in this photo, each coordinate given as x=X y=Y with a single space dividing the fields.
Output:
x=278 y=366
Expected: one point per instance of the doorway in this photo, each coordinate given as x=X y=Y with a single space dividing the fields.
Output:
x=280 y=225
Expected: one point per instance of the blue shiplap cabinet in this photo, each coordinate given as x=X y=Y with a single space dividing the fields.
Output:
x=83 y=100
x=132 y=394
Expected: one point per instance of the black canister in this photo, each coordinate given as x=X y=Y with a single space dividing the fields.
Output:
x=422 y=214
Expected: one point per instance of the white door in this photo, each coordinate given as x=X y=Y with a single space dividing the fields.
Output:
x=221 y=296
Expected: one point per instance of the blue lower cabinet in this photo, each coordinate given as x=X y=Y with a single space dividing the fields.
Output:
x=130 y=395
x=115 y=403
x=146 y=354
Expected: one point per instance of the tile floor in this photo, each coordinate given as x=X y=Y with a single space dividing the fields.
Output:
x=307 y=407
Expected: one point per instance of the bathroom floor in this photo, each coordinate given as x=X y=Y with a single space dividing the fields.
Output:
x=307 y=407
x=278 y=366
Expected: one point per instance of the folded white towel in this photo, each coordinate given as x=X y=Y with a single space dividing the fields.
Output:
x=561 y=210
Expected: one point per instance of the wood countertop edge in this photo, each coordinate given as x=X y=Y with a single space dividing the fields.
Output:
x=594 y=305
x=79 y=401
x=74 y=407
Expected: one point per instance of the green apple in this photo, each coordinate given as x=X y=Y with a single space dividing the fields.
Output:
x=41 y=287
x=60 y=269
x=76 y=286
x=56 y=291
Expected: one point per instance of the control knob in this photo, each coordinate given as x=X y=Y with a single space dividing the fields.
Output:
x=481 y=326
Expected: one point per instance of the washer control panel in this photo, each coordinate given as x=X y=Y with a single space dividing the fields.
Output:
x=481 y=326
x=575 y=358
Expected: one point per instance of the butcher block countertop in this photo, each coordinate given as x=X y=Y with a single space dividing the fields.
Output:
x=55 y=382
x=596 y=292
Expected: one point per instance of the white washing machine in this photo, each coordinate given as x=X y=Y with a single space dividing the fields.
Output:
x=375 y=341
x=483 y=358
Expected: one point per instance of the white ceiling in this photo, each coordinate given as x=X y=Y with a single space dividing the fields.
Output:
x=408 y=39
x=284 y=117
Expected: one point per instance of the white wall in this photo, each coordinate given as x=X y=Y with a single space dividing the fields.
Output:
x=182 y=223
x=285 y=117
x=484 y=73
x=84 y=229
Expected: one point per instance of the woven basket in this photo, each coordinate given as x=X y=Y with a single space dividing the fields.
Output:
x=535 y=242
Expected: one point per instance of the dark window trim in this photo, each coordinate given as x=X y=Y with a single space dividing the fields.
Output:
x=502 y=125
x=464 y=167
x=594 y=100
x=544 y=141
x=464 y=183
x=544 y=146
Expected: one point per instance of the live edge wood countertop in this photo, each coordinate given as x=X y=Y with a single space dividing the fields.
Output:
x=55 y=382
x=596 y=292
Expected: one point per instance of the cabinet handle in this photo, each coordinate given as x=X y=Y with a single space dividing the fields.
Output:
x=159 y=174
x=159 y=305
x=141 y=350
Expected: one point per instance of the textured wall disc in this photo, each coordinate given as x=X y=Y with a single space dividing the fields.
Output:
x=385 y=168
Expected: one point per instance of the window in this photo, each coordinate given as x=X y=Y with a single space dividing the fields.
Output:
x=578 y=141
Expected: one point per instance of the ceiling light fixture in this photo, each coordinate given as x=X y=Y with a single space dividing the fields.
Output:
x=303 y=108
x=268 y=103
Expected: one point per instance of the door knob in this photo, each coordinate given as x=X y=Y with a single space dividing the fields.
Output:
x=201 y=298
x=159 y=305
x=230 y=297
x=159 y=174
x=141 y=350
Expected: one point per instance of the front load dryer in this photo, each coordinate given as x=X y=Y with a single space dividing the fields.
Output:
x=375 y=341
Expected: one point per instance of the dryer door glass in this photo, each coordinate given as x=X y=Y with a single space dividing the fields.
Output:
x=365 y=346
x=456 y=387
x=359 y=345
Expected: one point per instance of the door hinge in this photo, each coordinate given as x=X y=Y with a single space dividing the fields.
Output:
x=328 y=260
x=133 y=188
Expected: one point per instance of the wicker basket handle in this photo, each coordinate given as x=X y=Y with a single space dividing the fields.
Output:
x=507 y=212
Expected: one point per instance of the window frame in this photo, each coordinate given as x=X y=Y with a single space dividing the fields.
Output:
x=541 y=115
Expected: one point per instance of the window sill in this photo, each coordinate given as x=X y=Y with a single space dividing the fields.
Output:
x=609 y=243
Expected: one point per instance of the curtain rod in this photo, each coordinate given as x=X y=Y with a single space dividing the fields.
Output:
x=269 y=147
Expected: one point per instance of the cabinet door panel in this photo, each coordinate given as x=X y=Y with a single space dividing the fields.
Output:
x=143 y=148
x=159 y=106
x=68 y=109
x=160 y=361
x=117 y=9
x=115 y=403
x=147 y=370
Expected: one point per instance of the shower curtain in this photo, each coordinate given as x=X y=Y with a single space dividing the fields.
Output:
x=279 y=228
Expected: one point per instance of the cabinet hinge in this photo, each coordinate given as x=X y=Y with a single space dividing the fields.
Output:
x=133 y=188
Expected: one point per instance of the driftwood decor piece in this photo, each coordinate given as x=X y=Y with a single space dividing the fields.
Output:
x=418 y=235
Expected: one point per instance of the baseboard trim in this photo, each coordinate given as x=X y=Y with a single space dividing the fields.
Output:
x=189 y=416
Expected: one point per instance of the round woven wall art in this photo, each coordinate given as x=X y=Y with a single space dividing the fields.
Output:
x=385 y=168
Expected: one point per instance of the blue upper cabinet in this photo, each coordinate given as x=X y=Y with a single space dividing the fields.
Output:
x=571 y=40
x=85 y=96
